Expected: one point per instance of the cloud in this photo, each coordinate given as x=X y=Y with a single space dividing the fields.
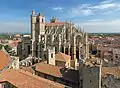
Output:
x=90 y=9
x=106 y=1
x=101 y=26
x=59 y=9
x=81 y=10
x=95 y=20
x=105 y=6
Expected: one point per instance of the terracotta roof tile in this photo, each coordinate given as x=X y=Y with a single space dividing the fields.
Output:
x=62 y=57
x=29 y=69
x=49 y=69
x=22 y=79
x=54 y=24
x=60 y=72
x=4 y=59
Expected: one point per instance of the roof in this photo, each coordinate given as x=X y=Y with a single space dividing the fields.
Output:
x=60 y=72
x=4 y=59
x=111 y=70
x=62 y=57
x=49 y=69
x=55 y=24
x=22 y=79
x=29 y=69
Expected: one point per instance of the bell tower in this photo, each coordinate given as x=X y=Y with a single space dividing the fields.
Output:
x=33 y=33
x=41 y=24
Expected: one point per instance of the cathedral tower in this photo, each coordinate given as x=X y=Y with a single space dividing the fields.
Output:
x=33 y=33
x=41 y=24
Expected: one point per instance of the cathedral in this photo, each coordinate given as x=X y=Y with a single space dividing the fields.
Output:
x=56 y=36
x=63 y=48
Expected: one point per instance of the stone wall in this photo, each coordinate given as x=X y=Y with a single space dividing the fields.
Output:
x=91 y=77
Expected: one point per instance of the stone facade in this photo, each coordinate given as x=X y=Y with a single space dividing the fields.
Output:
x=64 y=36
x=91 y=77
x=110 y=82
x=24 y=49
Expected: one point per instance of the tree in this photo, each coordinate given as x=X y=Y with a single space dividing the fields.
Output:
x=1 y=46
x=7 y=48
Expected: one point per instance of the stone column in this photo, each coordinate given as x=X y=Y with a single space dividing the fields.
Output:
x=33 y=48
x=59 y=43
x=86 y=46
x=33 y=32
x=39 y=53
x=64 y=49
x=52 y=39
x=74 y=48
x=79 y=50
x=45 y=41
x=69 y=49
x=64 y=45
x=39 y=47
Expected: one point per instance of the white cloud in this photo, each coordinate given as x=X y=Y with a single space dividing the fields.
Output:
x=101 y=26
x=89 y=9
x=81 y=10
x=105 y=6
x=106 y=1
x=95 y=20
x=87 y=12
x=60 y=9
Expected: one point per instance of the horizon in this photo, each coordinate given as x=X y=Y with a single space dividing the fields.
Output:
x=101 y=16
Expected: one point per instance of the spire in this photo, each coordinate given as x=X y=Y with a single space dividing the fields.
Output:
x=33 y=12
x=40 y=14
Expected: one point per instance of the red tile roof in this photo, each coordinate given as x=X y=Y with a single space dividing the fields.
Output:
x=60 y=72
x=22 y=79
x=55 y=24
x=49 y=69
x=29 y=69
x=62 y=57
x=4 y=59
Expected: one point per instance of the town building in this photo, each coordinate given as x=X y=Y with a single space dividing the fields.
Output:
x=17 y=78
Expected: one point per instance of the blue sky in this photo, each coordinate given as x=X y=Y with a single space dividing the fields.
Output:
x=90 y=15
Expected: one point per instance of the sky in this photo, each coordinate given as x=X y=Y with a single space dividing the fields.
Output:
x=93 y=16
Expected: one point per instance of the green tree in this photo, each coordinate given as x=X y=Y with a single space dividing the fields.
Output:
x=1 y=46
x=7 y=48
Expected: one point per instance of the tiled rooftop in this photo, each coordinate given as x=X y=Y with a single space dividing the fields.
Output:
x=4 y=59
x=59 y=72
x=22 y=79
x=55 y=24
x=49 y=69
x=62 y=57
